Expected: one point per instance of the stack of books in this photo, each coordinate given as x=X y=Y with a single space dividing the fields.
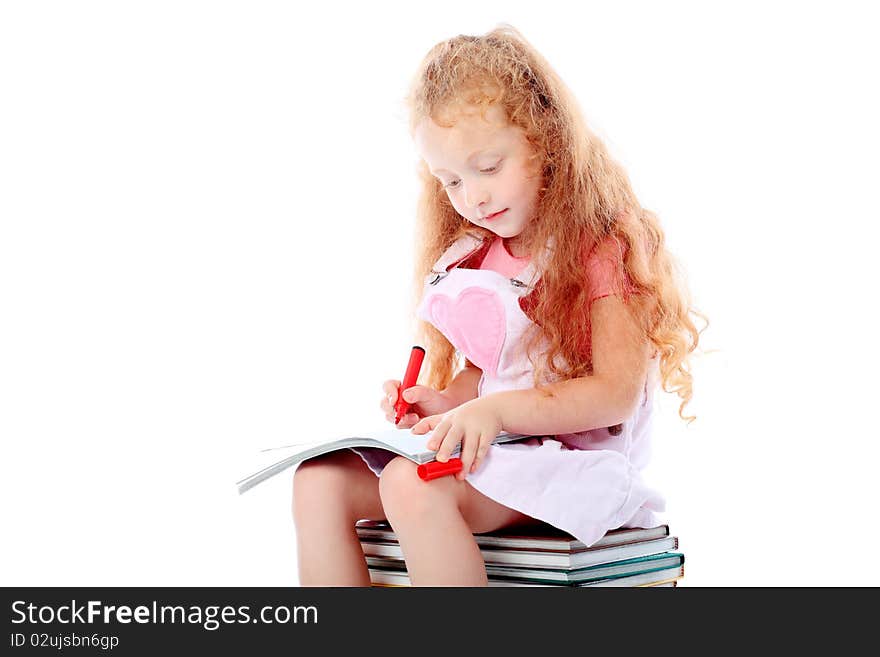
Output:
x=545 y=556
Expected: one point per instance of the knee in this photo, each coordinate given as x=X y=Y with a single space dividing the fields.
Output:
x=317 y=480
x=405 y=496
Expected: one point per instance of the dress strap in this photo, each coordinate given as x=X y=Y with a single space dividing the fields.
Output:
x=461 y=249
x=467 y=245
x=527 y=278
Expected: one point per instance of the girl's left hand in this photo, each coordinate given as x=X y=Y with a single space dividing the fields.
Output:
x=474 y=424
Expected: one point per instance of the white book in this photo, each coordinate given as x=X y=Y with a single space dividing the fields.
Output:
x=400 y=441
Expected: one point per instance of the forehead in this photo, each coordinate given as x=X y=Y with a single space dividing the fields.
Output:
x=440 y=146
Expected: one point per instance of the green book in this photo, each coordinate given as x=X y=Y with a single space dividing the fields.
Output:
x=580 y=576
x=663 y=577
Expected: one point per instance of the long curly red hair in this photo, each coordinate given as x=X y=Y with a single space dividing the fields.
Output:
x=585 y=198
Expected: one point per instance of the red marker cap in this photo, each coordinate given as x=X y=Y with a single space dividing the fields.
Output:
x=416 y=356
x=434 y=469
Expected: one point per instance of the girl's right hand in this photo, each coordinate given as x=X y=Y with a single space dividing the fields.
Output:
x=424 y=401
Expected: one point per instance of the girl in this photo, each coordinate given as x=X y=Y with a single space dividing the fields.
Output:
x=549 y=307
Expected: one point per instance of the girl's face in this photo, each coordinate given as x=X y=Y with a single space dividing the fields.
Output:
x=486 y=168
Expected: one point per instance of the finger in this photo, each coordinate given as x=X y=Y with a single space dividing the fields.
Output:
x=413 y=394
x=451 y=438
x=468 y=452
x=485 y=443
x=387 y=409
x=426 y=424
x=422 y=399
x=436 y=440
x=407 y=421
x=439 y=429
x=390 y=389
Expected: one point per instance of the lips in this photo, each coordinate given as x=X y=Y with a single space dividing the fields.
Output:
x=497 y=214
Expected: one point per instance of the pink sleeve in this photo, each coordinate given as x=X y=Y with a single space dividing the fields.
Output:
x=605 y=272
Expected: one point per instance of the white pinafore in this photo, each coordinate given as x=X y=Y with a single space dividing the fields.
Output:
x=583 y=483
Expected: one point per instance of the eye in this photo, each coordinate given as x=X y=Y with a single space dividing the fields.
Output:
x=455 y=183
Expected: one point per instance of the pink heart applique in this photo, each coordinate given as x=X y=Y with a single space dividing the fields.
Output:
x=474 y=322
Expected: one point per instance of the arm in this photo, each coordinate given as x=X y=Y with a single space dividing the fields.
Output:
x=463 y=386
x=608 y=397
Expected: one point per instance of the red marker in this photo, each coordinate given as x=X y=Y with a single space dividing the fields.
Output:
x=434 y=469
x=416 y=356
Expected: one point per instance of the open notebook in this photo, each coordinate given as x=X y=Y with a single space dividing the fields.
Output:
x=400 y=441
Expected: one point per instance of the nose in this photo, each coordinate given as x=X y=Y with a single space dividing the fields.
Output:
x=476 y=195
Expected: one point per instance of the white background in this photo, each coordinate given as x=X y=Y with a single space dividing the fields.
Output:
x=206 y=219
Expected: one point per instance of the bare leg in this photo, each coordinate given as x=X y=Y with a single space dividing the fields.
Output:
x=435 y=522
x=330 y=494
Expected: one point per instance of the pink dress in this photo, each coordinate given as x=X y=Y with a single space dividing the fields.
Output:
x=583 y=483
